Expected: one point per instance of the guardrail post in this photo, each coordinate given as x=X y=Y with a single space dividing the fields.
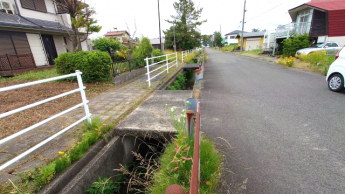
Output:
x=166 y=56
x=148 y=71
x=182 y=56
x=176 y=59
x=83 y=96
x=190 y=123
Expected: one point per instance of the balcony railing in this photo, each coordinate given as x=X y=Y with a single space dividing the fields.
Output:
x=291 y=29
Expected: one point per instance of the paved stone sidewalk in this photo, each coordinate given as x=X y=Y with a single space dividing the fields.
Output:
x=108 y=106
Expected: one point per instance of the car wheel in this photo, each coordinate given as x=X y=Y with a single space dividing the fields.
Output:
x=336 y=82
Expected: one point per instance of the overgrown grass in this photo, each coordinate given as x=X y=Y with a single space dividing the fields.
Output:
x=32 y=75
x=254 y=52
x=176 y=162
x=319 y=61
x=228 y=48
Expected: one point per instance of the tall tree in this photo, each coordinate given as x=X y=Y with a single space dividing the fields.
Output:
x=83 y=23
x=255 y=30
x=206 y=39
x=218 y=39
x=186 y=22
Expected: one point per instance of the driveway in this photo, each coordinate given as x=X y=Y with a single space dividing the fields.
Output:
x=285 y=128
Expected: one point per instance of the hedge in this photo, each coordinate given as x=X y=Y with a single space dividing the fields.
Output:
x=95 y=65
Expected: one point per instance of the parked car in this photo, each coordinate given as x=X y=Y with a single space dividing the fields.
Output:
x=330 y=47
x=336 y=72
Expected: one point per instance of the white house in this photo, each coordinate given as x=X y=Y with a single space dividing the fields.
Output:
x=231 y=37
x=32 y=34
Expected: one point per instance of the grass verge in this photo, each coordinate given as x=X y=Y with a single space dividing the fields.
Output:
x=32 y=76
x=176 y=162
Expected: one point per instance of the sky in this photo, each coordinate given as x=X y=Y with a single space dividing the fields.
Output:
x=224 y=15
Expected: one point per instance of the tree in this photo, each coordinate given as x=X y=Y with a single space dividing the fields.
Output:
x=106 y=44
x=83 y=23
x=255 y=30
x=206 y=39
x=218 y=39
x=144 y=49
x=186 y=22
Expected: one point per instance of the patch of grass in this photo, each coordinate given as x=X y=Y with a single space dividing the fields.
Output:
x=176 y=162
x=318 y=61
x=32 y=75
x=228 y=48
x=255 y=52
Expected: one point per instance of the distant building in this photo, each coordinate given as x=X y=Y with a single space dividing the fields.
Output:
x=122 y=36
x=231 y=37
x=156 y=43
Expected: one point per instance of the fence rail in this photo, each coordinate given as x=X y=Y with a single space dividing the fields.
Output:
x=83 y=104
x=118 y=67
x=169 y=61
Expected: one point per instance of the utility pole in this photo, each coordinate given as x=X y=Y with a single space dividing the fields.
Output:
x=160 y=36
x=244 y=15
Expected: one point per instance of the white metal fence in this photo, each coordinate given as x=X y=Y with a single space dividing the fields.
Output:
x=165 y=62
x=83 y=104
x=169 y=61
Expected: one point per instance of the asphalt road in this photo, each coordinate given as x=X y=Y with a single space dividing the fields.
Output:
x=285 y=127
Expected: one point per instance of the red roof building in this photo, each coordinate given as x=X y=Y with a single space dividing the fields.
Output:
x=321 y=18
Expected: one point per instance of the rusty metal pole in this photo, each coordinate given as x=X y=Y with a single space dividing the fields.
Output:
x=195 y=179
x=190 y=125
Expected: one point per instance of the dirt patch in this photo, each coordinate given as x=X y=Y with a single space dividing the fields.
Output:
x=17 y=98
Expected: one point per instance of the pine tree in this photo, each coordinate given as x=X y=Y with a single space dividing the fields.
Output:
x=186 y=26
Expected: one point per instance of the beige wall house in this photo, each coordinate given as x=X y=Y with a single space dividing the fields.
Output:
x=32 y=34
x=123 y=35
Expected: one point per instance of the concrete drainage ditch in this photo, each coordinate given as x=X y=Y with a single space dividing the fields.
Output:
x=149 y=124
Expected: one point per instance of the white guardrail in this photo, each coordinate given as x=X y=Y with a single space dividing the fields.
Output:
x=84 y=103
x=163 y=64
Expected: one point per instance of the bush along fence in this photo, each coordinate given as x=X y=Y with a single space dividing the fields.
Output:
x=84 y=104
x=118 y=67
x=193 y=118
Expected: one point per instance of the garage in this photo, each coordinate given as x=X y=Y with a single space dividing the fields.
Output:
x=252 y=43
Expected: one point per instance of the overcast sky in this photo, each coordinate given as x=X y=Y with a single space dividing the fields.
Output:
x=262 y=14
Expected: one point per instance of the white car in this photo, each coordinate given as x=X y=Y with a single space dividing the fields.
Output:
x=336 y=72
x=330 y=47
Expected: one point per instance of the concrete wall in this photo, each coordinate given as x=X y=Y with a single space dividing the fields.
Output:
x=50 y=15
x=123 y=78
x=100 y=161
x=37 y=49
x=59 y=44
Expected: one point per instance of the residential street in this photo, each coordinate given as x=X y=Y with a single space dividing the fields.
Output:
x=286 y=128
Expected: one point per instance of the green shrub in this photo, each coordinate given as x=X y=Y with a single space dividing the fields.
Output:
x=292 y=44
x=179 y=83
x=95 y=65
x=106 y=43
x=144 y=49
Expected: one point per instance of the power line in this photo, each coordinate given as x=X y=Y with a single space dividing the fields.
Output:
x=265 y=12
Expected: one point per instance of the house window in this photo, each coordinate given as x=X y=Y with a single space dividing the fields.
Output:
x=37 y=5
x=305 y=16
x=232 y=37
x=14 y=43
